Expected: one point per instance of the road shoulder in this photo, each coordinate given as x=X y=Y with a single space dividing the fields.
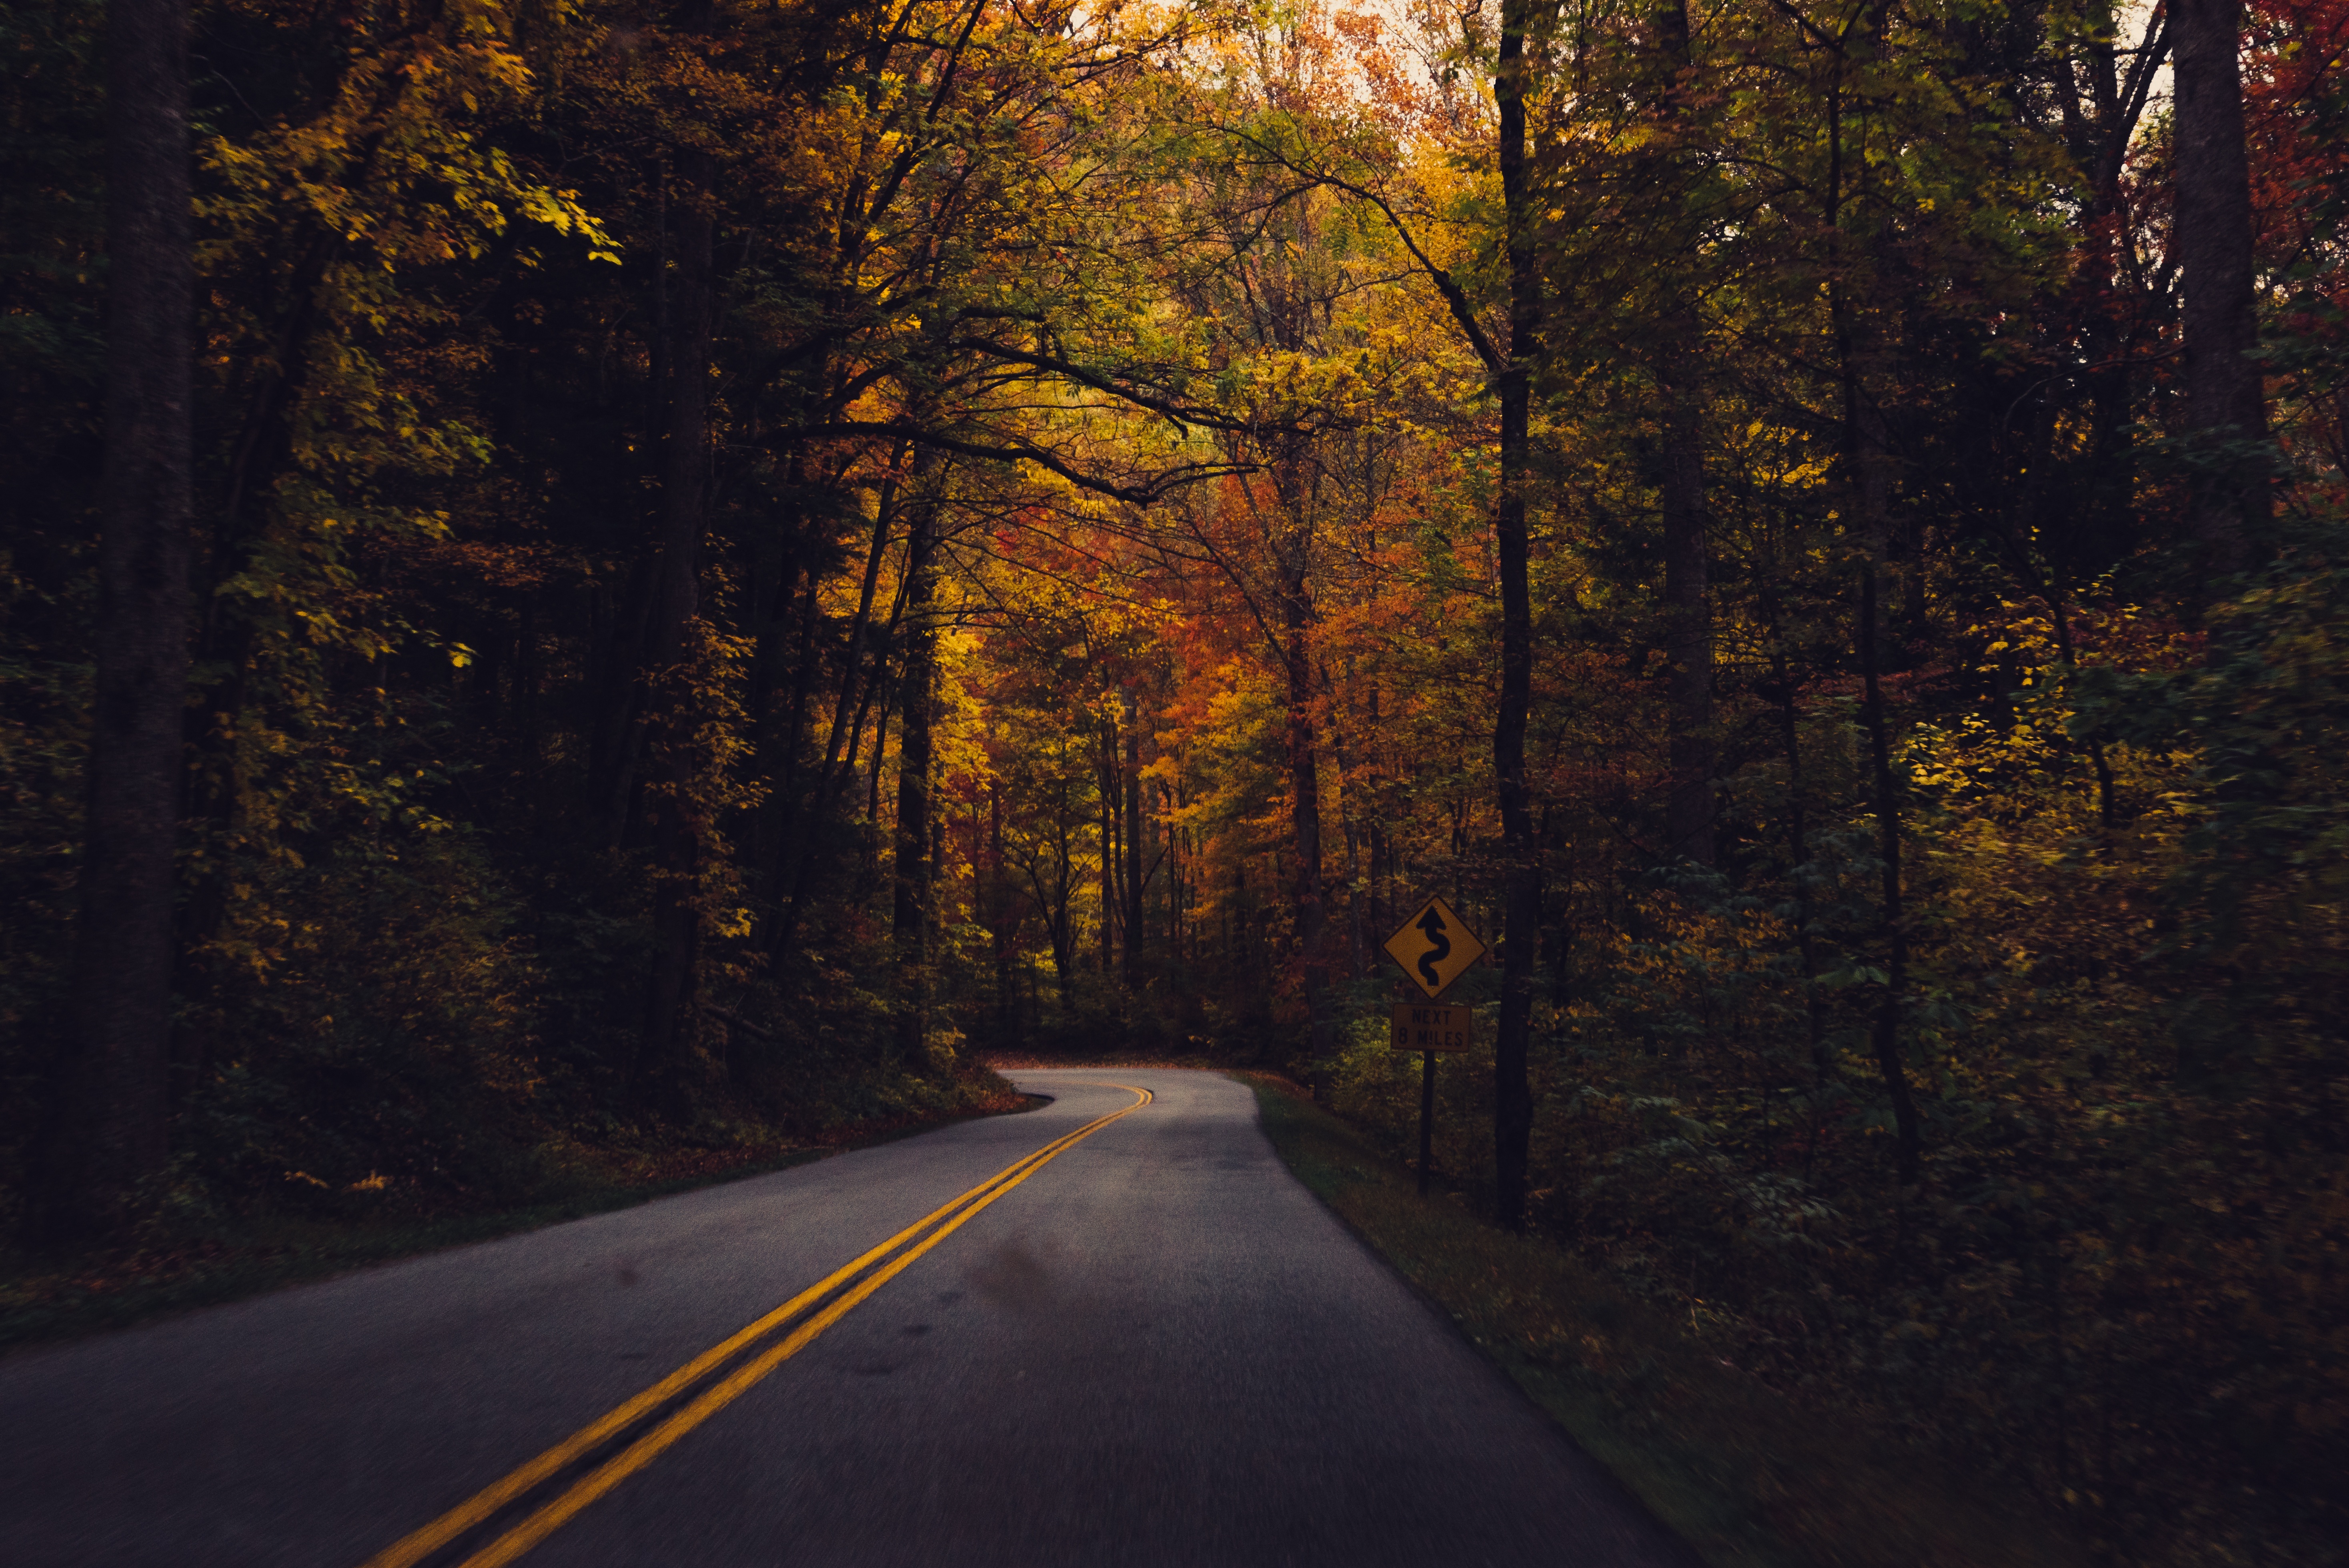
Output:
x=1744 y=1475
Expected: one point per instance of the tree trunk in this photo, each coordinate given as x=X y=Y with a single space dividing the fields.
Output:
x=780 y=813
x=1106 y=787
x=1357 y=938
x=800 y=840
x=1513 y=1103
x=109 y=1132
x=1003 y=922
x=871 y=846
x=1867 y=486
x=1137 y=866
x=909 y=924
x=2226 y=403
x=667 y=689
x=1064 y=876
x=1688 y=611
x=1798 y=875
x=1886 y=1029
x=1305 y=805
x=778 y=720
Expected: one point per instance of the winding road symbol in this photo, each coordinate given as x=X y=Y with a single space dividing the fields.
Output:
x=1440 y=947
x=1434 y=948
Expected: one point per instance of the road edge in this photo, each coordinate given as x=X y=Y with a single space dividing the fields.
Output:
x=1638 y=1412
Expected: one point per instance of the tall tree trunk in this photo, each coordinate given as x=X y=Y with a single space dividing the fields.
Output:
x=912 y=865
x=799 y=842
x=1003 y=920
x=2225 y=397
x=668 y=685
x=1688 y=607
x=1106 y=787
x=525 y=686
x=1513 y=1100
x=872 y=847
x=1357 y=938
x=1866 y=481
x=777 y=720
x=618 y=749
x=1065 y=877
x=1887 y=1028
x=1137 y=864
x=778 y=814
x=2109 y=263
x=1305 y=804
x=109 y=1130
x=1798 y=856
x=1175 y=869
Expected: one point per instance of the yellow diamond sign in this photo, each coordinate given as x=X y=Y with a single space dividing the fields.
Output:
x=1434 y=948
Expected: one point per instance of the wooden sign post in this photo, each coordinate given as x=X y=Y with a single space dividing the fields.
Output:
x=1434 y=948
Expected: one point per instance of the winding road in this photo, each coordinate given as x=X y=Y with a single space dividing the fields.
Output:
x=1110 y=1331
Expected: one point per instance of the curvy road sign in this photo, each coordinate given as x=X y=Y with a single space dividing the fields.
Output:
x=1434 y=948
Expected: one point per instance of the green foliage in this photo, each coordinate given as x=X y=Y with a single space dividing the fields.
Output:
x=2253 y=903
x=379 y=1048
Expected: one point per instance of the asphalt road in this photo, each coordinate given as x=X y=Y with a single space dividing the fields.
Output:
x=1157 y=1349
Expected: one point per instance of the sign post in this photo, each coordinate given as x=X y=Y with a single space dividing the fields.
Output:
x=1426 y=1116
x=1434 y=948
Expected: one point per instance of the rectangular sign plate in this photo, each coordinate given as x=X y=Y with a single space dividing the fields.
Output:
x=1430 y=1026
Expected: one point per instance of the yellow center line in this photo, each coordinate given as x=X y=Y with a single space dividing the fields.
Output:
x=413 y=1548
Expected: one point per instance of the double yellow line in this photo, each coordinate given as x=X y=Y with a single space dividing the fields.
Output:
x=916 y=1239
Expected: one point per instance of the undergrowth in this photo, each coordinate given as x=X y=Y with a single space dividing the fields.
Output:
x=178 y=1261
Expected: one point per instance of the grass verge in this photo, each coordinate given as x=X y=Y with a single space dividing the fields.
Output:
x=1746 y=1476
x=48 y=1298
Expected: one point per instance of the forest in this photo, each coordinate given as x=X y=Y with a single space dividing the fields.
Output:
x=579 y=571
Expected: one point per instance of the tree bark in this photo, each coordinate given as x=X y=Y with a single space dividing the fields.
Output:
x=1866 y=476
x=778 y=694
x=111 y=1131
x=1056 y=910
x=1003 y=922
x=1687 y=609
x=1106 y=786
x=1887 y=1028
x=798 y=842
x=1799 y=877
x=1357 y=938
x=667 y=688
x=912 y=873
x=2226 y=403
x=1513 y=1105
x=1305 y=802
x=1137 y=867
